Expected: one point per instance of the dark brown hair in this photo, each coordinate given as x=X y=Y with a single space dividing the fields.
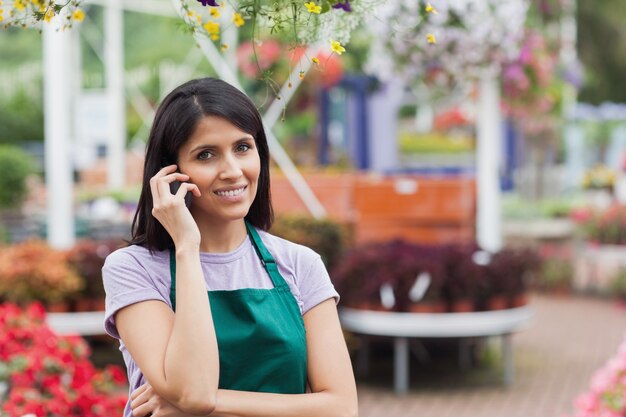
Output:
x=174 y=123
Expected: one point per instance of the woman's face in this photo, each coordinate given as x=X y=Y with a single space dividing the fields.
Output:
x=223 y=161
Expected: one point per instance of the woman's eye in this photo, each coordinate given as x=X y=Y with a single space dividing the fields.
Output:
x=243 y=147
x=204 y=155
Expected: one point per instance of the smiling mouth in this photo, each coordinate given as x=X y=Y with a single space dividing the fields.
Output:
x=232 y=193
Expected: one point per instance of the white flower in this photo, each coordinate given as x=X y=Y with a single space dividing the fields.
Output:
x=489 y=35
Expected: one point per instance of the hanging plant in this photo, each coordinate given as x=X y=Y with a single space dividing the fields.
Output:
x=33 y=13
x=324 y=23
x=470 y=35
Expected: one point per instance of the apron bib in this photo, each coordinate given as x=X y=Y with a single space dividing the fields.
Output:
x=260 y=332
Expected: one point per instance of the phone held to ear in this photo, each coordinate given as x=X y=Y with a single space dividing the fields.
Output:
x=174 y=186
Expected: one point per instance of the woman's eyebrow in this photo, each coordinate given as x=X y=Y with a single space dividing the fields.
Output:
x=209 y=146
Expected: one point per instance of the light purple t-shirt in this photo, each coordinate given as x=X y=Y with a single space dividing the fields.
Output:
x=132 y=274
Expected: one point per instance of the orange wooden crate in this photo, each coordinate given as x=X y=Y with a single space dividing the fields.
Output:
x=418 y=209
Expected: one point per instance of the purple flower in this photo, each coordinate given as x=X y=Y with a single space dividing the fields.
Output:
x=345 y=5
x=211 y=3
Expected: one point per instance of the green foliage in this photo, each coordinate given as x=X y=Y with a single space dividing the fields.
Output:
x=121 y=195
x=326 y=237
x=617 y=285
x=19 y=46
x=21 y=118
x=515 y=207
x=411 y=143
x=602 y=23
x=556 y=275
x=15 y=166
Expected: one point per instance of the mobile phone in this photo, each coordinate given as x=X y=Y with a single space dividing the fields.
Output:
x=174 y=186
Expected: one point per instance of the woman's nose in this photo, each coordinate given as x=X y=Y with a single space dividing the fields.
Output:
x=230 y=168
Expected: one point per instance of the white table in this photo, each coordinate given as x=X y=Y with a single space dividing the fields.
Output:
x=402 y=326
x=89 y=323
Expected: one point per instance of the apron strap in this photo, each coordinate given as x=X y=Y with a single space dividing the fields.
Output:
x=264 y=255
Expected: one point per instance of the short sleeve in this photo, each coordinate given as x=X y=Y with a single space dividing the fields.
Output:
x=127 y=281
x=315 y=286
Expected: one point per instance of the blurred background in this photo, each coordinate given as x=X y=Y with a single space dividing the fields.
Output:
x=465 y=159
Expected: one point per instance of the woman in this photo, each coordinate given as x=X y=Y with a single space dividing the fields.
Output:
x=269 y=326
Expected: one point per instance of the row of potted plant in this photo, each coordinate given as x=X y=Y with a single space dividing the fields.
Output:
x=47 y=375
x=62 y=280
x=606 y=394
x=602 y=226
x=402 y=276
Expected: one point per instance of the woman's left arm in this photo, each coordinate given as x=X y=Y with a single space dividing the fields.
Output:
x=333 y=390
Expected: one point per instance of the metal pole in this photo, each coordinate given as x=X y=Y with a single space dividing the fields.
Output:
x=401 y=365
x=114 y=68
x=57 y=134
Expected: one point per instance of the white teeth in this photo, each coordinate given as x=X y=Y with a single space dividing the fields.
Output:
x=230 y=193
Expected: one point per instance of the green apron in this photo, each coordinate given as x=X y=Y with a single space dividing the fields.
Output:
x=260 y=332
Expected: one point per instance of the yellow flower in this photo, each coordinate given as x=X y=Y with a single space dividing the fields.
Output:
x=224 y=46
x=78 y=15
x=212 y=28
x=431 y=38
x=215 y=12
x=48 y=16
x=311 y=7
x=315 y=60
x=238 y=20
x=19 y=5
x=215 y=36
x=302 y=75
x=337 y=48
x=430 y=9
x=1 y=17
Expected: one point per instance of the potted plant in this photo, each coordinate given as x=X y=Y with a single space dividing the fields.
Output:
x=507 y=277
x=420 y=289
x=556 y=276
x=33 y=271
x=617 y=286
x=462 y=276
x=326 y=237
x=360 y=275
x=411 y=276
x=87 y=258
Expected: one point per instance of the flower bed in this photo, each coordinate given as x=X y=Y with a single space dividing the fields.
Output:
x=47 y=375
x=62 y=280
x=607 y=391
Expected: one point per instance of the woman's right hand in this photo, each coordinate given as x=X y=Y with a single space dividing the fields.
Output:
x=170 y=210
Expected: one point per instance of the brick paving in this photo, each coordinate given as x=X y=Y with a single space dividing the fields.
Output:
x=555 y=356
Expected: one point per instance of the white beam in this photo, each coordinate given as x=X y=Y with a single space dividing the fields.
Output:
x=114 y=71
x=57 y=133
x=152 y=7
x=489 y=132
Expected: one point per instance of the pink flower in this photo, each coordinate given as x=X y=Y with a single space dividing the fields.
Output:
x=603 y=380
x=587 y=402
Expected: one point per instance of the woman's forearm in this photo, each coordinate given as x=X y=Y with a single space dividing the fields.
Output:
x=191 y=364
x=259 y=404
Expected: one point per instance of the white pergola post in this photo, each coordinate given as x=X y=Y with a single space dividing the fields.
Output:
x=114 y=69
x=489 y=135
x=57 y=59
